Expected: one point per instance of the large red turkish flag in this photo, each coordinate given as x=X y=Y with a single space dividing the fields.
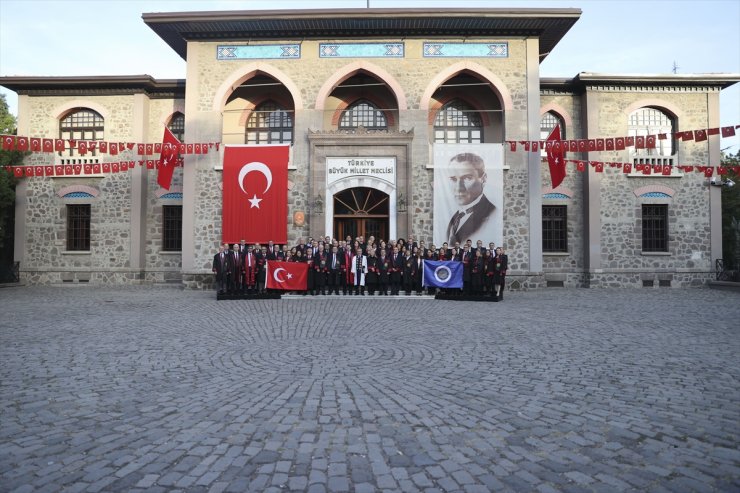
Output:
x=167 y=158
x=556 y=158
x=255 y=205
x=291 y=276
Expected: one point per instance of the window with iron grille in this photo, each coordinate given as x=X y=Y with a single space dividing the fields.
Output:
x=81 y=124
x=269 y=123
x=655 y=228
x=555 y=228
x=363 y=113
x=177 y=126
x=172 y=228
x=456 y=123
x=78 y=227
x=651 y=121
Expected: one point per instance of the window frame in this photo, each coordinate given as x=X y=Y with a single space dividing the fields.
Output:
x=655 y=238
x=444 y=124
x=73 y=127
x=171 y=228
x=258 y=129
x=557 y=240
x=176 y=125
x=379 y=118
x=78 y=222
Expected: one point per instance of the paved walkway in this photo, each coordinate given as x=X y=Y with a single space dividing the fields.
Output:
x=156 y=389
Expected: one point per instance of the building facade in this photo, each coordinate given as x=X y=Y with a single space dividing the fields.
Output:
x=387 y=85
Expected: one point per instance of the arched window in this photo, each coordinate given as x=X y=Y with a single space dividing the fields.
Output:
x=82 y=124
x=177 y=126
x=363 y=113
x=548 y=123
x=457 y=122
x=652 y=121
x=269 y=123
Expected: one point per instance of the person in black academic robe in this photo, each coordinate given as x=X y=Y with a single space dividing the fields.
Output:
x=408 y=270
x=320 y=270
x=499 y=273
x=384 y=266
x=371 y=278
x=467 y=260
x=395 y=271
x=430 y=256
x=417 y=273
x=476 y=273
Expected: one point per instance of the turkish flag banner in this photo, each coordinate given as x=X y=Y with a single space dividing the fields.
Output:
x=289 y=276
x=49 y=170
x=581 y=166
x=512 y=145
x=77 y=168
x=35 y=144
x=47 y=145
x=59 y=170
x=700 y=135
x=666 y=170
x=619 y=143
x=573 y=145
x=88 y=169
x=68 y=170
x=627 y=168
x=18 y=172
x=149 y=149
x=591 y=145
x=728 y=132
x=114 y=167
x=609 y=144
x=650 y=142
x=59 y=145
x=22 y=143
x=96 y=169
x=555 y=157
x=103 y=147
x=630 y=142
x=30 y=170
x=600 y=145
x=708 y=171
x=688 y=135
x=157 y=148
x=82 y=147
x=640 y=142
x=255 y=194
x=140 y=149
x=167 y=159
x=106 y=167
x=113 y=149
x=534 y=146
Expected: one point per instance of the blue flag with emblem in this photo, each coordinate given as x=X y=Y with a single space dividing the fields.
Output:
x=443 y=274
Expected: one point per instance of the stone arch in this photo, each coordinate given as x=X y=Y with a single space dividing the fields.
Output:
x=161 y=191
x=246 y=72
x=657 y=103
x=78 y=189
x=244 y=117
x=348 y=71
x=498 y=86
x=63 y=109
x=361 y=181
x=167 y=118
x=559 y=111
x=559 y=189
x=654 y=189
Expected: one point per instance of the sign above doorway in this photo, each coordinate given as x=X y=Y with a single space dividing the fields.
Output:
x=382 y=168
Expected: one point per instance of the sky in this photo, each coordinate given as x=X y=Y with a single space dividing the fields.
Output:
x=108 y=37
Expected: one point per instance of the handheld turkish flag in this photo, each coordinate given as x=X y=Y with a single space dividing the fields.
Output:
x=255 y=194
x=168 y=159
x=556 y=158
x=290 y=276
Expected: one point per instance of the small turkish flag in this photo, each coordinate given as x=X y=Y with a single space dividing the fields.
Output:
x=30 y=170
x=627 y=168
x=183 y=148
x=106 y=167
x=619 y=144
x=115 y=167
x=113 y=149
x=667 y=170
x=289 y=276
x=157 y=147
x=535 y=146
x=647 y=169
x=573 y=146
x=728 y=131
x=22 y=143
x=600 y=144
x=708 y=171
x=150 y=164
x=88 y=169
x=140 y=149
x=650 y=142
x=69 y=170
x=688 y=169
x=609 y=144
x=96 y=169
x=59 y=170
x=82 y=147
x=688 y=135
x=103 y=147
x=123 y=166
x=59 y=145
x=599 y=167
x=640 y=142
x=581 y=166
x=526 y=146
x=35 y=144
x=77 y=168
x=189 y=148
x=512 y=146
x=49 y=171
x=700 y=135
x=630 y=142
x=47 y=145
x=129 y=145
x=18 y=172
x=591 y=145
x=149 y=149
x=8 y=143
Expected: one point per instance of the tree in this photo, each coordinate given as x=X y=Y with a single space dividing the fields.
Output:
x=7 y=180
x=731 y=215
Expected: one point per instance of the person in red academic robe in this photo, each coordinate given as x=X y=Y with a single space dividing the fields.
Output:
x=250 y=270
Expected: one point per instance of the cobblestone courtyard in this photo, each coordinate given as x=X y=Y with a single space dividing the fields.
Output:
x=157 y=389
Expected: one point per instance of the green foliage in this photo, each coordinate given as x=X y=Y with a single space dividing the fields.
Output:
x=731 y=215
x=7 y=180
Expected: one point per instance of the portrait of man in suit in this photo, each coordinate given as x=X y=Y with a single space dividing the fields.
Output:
x=468 y=193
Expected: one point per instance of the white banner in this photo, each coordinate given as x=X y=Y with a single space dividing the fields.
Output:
x=468 y=193
x=382 y=168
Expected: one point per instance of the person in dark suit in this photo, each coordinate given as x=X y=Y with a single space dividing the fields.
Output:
x=221 y=265
x=335 y=270
x=384 y=266
x=396 y=262
x=499 y=273
x=321 y=269
x=467 y=178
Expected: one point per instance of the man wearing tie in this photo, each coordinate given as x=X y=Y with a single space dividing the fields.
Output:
x=335 y=270
x=220 y=268
x=467 y=178
x=250 y=270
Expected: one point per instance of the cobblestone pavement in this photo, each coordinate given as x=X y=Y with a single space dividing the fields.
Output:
x=157 y=389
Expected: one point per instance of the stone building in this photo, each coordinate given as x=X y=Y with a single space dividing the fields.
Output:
x=375 y=83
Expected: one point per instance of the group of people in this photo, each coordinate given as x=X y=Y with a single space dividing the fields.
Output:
x=352 y=266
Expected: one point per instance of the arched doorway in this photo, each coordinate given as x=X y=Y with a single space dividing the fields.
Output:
x=361 y=211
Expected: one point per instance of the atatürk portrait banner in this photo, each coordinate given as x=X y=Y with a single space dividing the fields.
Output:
x=468 y=193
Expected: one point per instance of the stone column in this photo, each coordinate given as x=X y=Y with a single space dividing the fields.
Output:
x=534 y=162
x=139 y=189
x=715 y=193
x=591 y=191
x=21 y=189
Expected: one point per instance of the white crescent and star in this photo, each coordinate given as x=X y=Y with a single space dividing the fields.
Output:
x=277 y=279
x=259 y=168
